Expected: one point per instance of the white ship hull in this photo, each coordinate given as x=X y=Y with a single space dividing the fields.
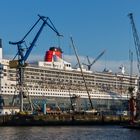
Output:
x=60 y=83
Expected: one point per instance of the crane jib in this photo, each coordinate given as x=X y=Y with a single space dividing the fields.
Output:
x=22 y=54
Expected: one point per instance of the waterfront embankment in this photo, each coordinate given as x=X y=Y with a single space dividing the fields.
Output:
x=61 y=119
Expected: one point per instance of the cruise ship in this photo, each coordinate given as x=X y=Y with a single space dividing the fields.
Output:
x=55 y=83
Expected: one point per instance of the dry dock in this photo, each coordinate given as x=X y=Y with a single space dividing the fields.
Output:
x=61 y=119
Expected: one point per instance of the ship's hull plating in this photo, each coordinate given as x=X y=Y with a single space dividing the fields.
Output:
x=65 y=103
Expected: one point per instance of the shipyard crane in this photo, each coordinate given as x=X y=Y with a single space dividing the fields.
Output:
x=89 y=65
x=24 y=52
x=135 y=103
x=75 y=51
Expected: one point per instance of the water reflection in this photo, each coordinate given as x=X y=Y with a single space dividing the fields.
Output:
x=69 y=133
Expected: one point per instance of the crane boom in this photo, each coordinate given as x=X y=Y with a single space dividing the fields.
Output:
x=24 y=56
x=33 y=42
x=136 y=40
x=91 y=104
x=98 y=57
x=89 y=65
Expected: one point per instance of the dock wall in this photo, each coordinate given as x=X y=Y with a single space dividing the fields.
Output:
x=61 y=119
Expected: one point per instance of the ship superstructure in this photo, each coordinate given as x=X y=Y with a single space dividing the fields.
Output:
x=54 y=81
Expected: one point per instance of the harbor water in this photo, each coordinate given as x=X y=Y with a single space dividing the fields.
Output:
x=69 y=133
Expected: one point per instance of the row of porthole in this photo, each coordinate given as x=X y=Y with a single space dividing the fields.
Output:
x=43 y=93
x=35 y=93
x=40 y=93
x=61 y=94
x=42 y=90
x=57 y=94
x=38 y=89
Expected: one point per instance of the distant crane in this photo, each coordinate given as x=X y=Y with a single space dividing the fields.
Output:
x=133 y=103
x=24 y=52
x=89 y=65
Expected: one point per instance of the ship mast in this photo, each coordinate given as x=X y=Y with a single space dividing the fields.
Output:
x=91 y=105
